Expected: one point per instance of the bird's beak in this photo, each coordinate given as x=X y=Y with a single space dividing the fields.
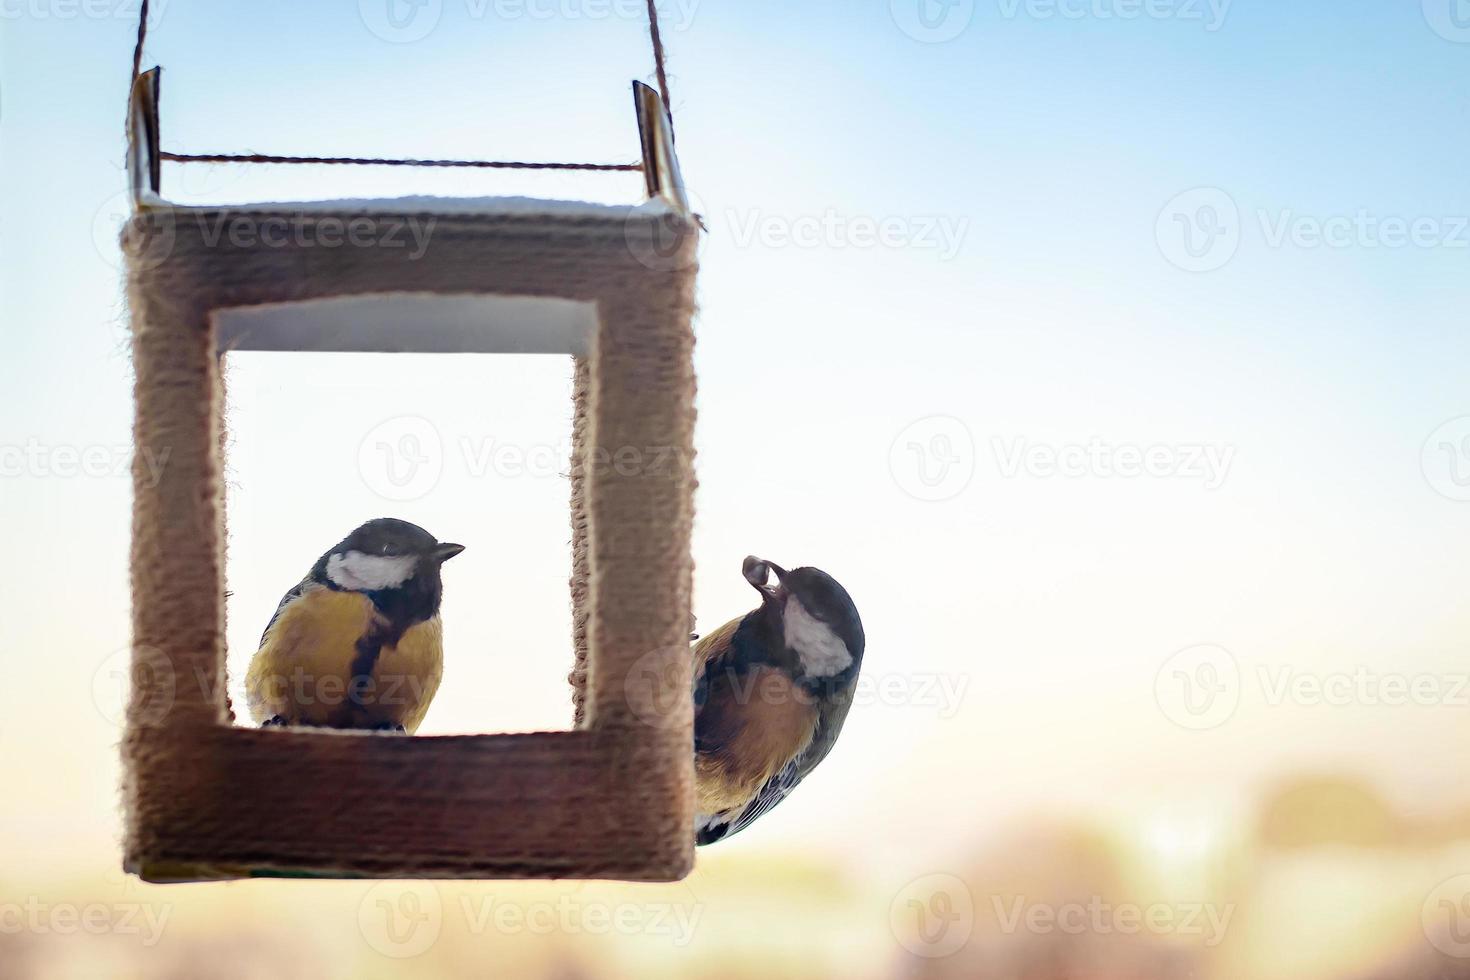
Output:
x=446 y=551
x=758 y=571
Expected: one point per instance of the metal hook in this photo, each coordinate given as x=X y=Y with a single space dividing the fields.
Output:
x=656 y=135
x=143 y=159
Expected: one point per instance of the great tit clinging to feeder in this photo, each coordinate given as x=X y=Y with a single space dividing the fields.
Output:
x=358 y=643
x=771 y=690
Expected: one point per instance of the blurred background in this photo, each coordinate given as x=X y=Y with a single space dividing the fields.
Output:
x=1112 y=353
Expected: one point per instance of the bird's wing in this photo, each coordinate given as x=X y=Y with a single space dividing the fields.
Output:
x=297 y=591
x=709 y=653
x=779 y=786
x=257 y=677
x=774 y=791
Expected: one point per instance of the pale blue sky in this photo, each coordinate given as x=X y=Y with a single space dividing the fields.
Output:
x=1051 y=145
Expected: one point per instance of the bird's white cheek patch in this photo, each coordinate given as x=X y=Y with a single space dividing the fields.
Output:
x=822 y=651
x=368 y=573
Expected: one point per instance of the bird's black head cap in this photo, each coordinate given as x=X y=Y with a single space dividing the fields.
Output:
x=821 y=596
x=395 y=563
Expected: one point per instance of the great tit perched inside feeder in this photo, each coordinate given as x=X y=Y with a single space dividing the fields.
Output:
x=771 y=690
x=358 y=643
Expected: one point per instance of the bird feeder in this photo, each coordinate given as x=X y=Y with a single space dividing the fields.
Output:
x=611 y=286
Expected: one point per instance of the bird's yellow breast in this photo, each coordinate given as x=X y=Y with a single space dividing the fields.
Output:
x=748 y=729
x=309 y=669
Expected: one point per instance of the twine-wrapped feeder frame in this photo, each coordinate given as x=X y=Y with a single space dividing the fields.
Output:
x=612 y=798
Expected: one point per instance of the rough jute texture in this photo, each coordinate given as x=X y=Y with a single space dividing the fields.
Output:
x=612 y=798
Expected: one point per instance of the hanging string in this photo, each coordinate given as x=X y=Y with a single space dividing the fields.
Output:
x=138 y=47
x=658 y=63
x=663 y=90
x=385 y=162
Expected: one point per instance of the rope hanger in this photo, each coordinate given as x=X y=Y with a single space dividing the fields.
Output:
x=659 y=70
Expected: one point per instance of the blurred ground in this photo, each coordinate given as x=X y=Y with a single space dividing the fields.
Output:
x=1327 y=883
